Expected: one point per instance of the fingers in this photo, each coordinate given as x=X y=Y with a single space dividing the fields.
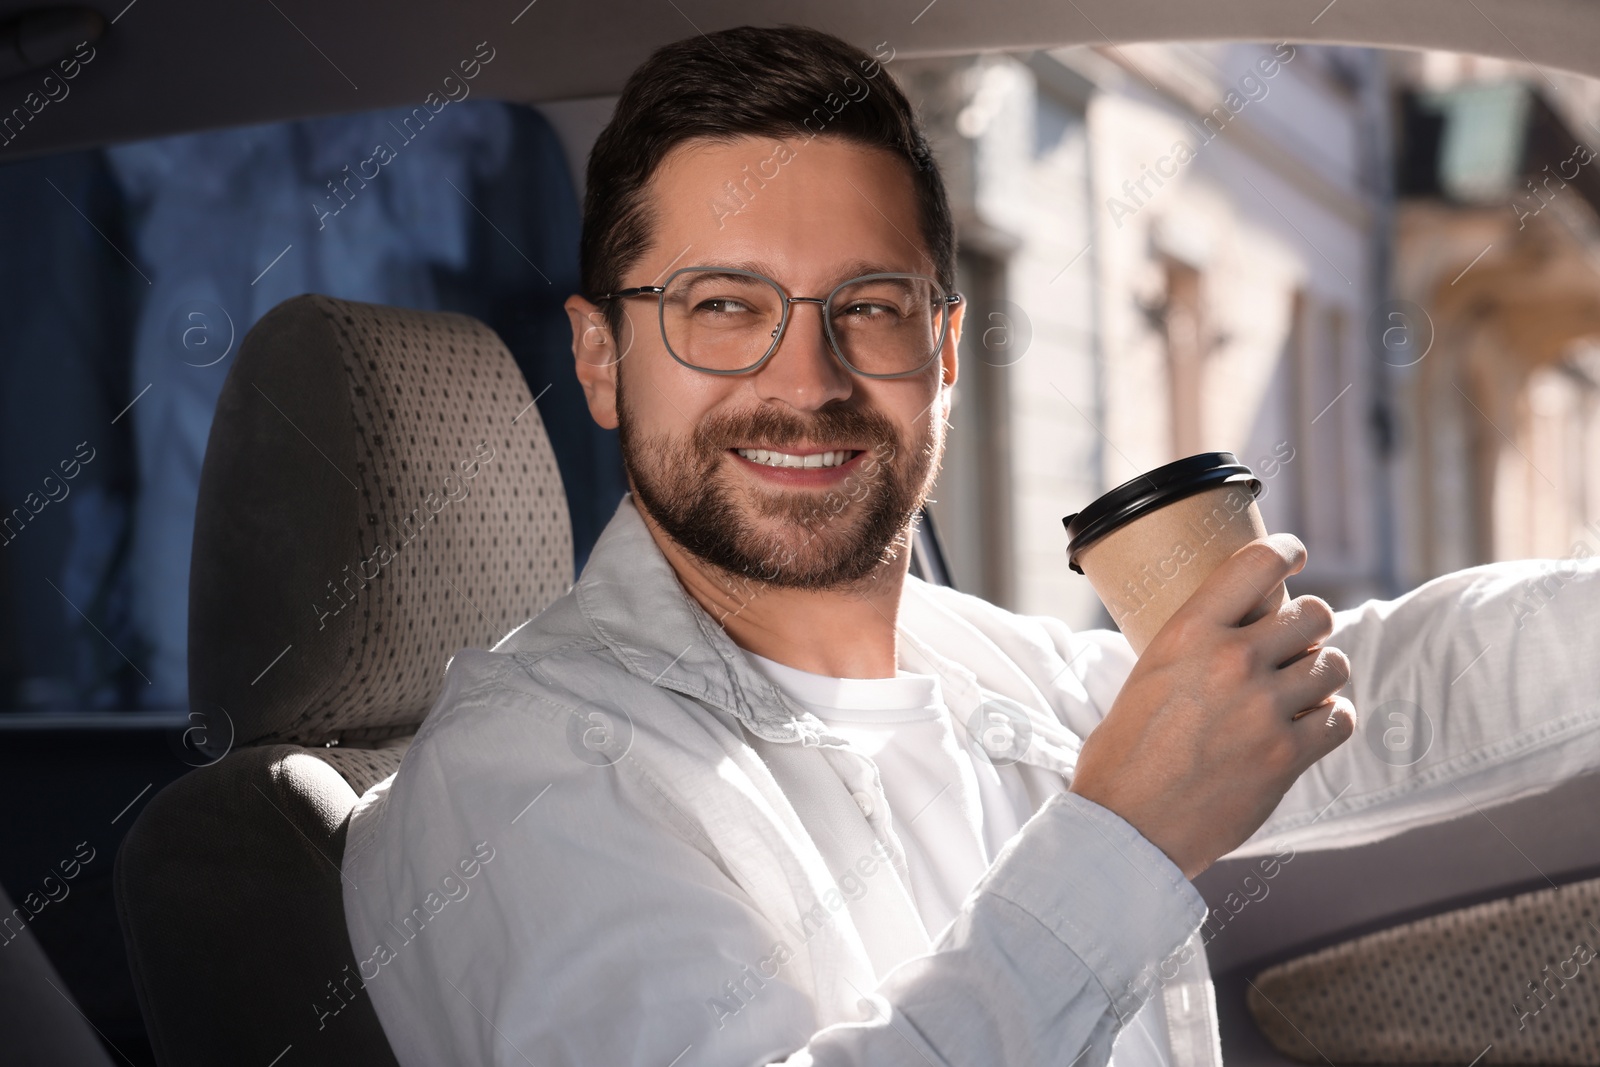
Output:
x=1299 y=625
x=1324 y=728
x=1248 y=577
x=1312 y=680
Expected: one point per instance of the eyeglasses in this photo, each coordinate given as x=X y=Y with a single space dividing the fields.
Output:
x=722 y=320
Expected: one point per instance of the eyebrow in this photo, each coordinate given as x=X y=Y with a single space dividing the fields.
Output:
x=854 y=268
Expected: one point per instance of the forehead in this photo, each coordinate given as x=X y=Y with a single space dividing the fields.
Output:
x=802 y=209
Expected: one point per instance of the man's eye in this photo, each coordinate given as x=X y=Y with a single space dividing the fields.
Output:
x=862 y=310
x=722 y=306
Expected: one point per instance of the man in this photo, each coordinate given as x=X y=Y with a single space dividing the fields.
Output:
x=751 y=794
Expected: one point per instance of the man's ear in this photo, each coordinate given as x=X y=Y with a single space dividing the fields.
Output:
x=596 y=356
x=952 y=342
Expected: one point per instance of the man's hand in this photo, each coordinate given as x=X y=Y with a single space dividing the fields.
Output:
x=1221 y=714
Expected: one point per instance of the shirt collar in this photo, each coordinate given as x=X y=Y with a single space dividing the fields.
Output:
x=631 y=596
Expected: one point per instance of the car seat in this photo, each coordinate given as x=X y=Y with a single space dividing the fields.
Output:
x=378 y=491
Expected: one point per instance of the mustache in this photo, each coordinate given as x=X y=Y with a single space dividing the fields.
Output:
x=774 y=427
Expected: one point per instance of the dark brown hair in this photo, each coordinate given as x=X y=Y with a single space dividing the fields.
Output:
x=746 y=81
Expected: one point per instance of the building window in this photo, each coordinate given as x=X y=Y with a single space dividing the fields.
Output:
x=1185 y=329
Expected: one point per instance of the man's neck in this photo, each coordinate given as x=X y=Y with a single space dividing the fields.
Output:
x=840 y=634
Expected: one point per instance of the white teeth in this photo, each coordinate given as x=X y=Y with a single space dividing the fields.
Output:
x=783 y=459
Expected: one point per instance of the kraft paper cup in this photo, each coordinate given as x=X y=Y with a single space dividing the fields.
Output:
x=1148 y=544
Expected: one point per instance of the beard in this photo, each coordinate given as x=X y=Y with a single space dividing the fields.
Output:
x=832 y=539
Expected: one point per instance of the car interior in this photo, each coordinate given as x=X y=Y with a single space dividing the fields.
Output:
x=178 y=781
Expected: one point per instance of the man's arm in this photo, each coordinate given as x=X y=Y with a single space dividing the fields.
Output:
x=606 y=930
x=1475 y=688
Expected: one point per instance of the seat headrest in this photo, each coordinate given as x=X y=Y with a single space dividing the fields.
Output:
x=378 y=493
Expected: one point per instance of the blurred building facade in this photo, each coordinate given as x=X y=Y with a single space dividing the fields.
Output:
x=1171 y=249
x=1498 y=263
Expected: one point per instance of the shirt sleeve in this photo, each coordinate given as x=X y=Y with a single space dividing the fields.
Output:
x=605 y=931
x=1476 y=688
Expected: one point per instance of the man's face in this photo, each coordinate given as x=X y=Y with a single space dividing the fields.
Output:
x=698 y=446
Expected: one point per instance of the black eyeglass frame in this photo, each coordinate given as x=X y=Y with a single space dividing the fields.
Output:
x=945 y=303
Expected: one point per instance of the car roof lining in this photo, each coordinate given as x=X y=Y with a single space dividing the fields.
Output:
x=183 y=65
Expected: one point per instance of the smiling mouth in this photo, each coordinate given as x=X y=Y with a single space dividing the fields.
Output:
x=812 y=461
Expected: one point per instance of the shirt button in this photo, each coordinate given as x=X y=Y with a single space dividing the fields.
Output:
x=864 y=802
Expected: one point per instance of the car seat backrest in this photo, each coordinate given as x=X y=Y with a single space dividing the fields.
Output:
x=378 y=492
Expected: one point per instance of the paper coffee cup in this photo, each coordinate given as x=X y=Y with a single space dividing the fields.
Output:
x=1148 y=544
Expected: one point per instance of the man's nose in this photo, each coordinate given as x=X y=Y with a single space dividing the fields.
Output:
x=804 y=373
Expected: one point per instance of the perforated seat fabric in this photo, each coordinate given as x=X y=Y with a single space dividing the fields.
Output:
x=363 y=768
x=1512 y=981
x=380 y=539
x=378 y=493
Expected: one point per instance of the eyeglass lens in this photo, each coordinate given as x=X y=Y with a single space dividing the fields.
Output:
x=724 y=321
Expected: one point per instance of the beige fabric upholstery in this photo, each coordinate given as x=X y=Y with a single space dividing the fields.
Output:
x=364 y=768
x=378 y=493
x=347 y=499
x=1518 y=977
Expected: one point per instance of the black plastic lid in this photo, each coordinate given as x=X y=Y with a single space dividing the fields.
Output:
x=1154 y=489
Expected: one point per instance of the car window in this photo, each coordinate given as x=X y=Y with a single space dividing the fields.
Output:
x=135 y=271
x=1367 y=273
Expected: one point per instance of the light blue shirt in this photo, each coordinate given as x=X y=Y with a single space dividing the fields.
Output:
x=616 y=842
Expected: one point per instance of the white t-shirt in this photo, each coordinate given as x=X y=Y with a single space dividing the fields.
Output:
x=949 y=805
